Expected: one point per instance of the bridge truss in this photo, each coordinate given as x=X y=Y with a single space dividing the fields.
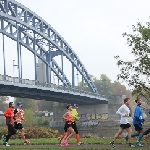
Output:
x=31 y=31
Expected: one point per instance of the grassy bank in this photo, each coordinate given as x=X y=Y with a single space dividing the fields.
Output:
x=43 y=143
x=93 y=140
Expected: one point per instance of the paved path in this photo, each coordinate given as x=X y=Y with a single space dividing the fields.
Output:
x=118 y=146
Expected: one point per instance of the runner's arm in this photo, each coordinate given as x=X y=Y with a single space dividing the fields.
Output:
x=7 y=113
x=119 y=112
x=138 y=115
x=64 y=116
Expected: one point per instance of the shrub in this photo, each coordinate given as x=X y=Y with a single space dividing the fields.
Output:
x=34 y=132
x=88 y=135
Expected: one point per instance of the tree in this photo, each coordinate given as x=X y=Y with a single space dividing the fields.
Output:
x=27 y=103
x=3 y=102
x=137 y=72
x=29 y=116
x=44 y=105
x=104 y=86
x=118 y=89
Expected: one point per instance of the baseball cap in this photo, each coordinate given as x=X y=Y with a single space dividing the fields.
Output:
x=19 y=103
x=75 y=105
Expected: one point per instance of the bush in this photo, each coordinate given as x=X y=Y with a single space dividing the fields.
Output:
x=88 y=135
x=34 y=132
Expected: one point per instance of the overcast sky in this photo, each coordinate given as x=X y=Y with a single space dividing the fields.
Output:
x=93 y=28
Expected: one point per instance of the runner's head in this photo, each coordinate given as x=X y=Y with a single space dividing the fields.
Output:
x=76 y=106
x=127 y=101
x=11 y=105
x=69 y=107
x=138 y=101
x=19 y=104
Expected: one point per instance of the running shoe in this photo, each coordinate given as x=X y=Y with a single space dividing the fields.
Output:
x=59 y=139
x=26 y=142
x=112 y=144
x=139 y=144
x=64 y=143
x=131 y=145
x=80 y=143
x=6 y=144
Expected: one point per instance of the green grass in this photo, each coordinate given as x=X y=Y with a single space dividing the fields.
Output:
x=42 y=141
x=47 y=141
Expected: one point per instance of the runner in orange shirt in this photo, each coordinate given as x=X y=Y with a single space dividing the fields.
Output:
x=68 y=125
x=18 y=115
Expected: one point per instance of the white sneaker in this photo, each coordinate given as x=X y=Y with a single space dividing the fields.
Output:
x=80 y=143
x=6 y=144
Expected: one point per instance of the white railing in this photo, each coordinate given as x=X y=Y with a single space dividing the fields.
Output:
x=46 y=85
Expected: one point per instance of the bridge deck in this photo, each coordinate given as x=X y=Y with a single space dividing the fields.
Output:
x=10 y=86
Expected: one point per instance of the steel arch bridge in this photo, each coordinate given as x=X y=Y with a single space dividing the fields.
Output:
x=36 y=35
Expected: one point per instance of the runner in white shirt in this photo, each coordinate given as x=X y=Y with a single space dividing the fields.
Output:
x=124 y=112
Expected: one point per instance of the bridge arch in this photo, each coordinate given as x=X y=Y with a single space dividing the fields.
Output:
x=43 y=34
x=54 y=66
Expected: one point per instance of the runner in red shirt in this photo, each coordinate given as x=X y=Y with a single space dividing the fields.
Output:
x=9 y=114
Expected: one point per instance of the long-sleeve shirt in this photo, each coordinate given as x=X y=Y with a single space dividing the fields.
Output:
x=18 y=113
x=74 y=114
x=9 y=115
x=138 y=118
x=122 y=111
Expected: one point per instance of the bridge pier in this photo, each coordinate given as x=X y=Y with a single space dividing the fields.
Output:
x=114 y=103
x=91 y=115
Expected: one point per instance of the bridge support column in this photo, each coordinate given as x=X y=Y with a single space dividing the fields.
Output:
x=20 y=63
x=73 y=76
x=4 y=55
x=89 y=115
x=18 y=50
x=47 y=74
x=35 y=64
x=50 y=58
x=113 y=105
x=62 y=66
x=82 y=81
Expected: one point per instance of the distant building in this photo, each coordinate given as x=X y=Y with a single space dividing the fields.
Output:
x=41 y=71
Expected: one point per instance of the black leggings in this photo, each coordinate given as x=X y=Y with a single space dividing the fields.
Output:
x=11 y=131
x=146 y=132
x=74 y=126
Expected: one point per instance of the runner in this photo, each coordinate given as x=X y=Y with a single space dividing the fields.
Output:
x=147 y=131
x=18 y=115
x=124 y=112
x=137 y=122
x=74 y=126
x=68 y=125
x=9 y=114
x=75 y=118
x=137 y=134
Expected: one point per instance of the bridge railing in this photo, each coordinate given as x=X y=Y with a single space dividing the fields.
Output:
x=46 y=85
